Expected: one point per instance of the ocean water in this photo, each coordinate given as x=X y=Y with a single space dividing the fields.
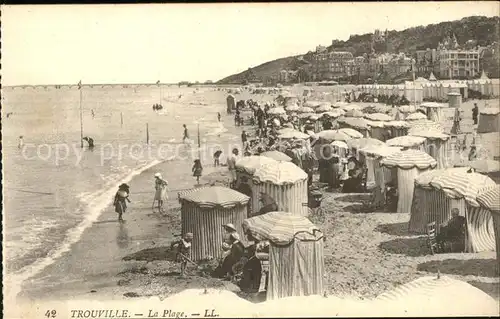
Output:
x=53 y=189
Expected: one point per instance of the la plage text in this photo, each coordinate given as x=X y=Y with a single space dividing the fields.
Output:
x=123 y=313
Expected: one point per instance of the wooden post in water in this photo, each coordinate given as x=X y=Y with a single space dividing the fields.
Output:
x=81 y=114
x=199 y=143
x=121 y=119
x=147 y=133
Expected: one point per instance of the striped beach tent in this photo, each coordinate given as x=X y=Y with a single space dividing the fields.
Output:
x=351 y=132
x=378 y=130
x=203 y=212
x=245 y=168
x=378 y=117
x=356 y=144
x=398 y=128
x=428 y=296
x=429 y=204
x=333 y=135
x=410 y=163
x=415 y=117
x=357 y=123
x=277 y=156
x=434 y=110
x=414 y=142
x=354 y=113
x=382 y=175
x=422 y=125
x=296 y=257
x=489 y=198
x=335 y=113
x=466 y=186
x=286 y=184
x=436 y=145
x=489 y=120
x=306 y=109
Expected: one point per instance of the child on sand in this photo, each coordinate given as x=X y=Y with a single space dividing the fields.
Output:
x=197 y=170
x=160 y=191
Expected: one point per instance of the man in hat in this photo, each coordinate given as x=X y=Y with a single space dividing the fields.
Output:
x=182 y=249
x=475 y=112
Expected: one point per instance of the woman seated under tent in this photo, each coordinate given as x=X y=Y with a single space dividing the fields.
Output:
x=225 y=269
x=251 y=273
x=451 y=237
x=354 y=183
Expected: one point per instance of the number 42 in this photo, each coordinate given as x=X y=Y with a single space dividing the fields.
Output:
x=50 y=314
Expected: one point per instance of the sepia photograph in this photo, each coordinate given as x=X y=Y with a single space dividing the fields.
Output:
x=250 y=160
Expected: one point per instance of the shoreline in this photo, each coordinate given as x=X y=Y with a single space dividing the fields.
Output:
x=91 y=265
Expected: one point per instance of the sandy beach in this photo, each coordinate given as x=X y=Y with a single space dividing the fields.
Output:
x=366 y=254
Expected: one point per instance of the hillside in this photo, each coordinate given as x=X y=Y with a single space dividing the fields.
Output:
x=483 y=30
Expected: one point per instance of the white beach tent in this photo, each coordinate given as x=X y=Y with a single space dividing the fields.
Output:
x=397 y=128
x=203 y=212
x=436 y=145
x=296 y=257
x=286 y=184
x=465 y=186
x=410 y=163
x=434 y=111
x=245 y=168
x=489 y=120
x=489 y=198
x=413 y=142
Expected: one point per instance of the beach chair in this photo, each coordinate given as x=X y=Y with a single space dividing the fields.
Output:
x=431 y=238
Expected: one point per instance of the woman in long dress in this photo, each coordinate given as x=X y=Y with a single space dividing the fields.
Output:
x=121 y=199
x=161 y=191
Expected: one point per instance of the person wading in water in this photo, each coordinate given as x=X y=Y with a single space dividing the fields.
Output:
x=121 y=199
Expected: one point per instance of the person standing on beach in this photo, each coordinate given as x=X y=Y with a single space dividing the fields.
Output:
x=244 y=139
x=231 y=165
x=475 y=112
x=197 y=170
x=160 y=191
x=218 y=116
x=186 y=133
x=21 y=142
x=183 y=251
x=121 y=199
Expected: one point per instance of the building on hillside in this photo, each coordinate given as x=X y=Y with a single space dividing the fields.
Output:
x=332 y=65
x=287 y=76
x=426 y=61
x=458 y=64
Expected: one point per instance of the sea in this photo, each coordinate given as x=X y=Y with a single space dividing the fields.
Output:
x=53 y=189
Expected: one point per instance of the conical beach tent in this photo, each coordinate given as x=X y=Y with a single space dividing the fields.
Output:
x=489 y=198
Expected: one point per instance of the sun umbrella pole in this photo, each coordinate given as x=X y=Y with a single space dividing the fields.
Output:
x=81 y=114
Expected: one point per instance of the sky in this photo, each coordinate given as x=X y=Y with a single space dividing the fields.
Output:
x=144 y=43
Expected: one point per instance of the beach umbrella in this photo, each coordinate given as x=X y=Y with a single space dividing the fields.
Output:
x=350 y=107
x=250 y=164
x=277 y=155
x=335 y=113
x=377 y=117
x=426 y=296
x=277 y=111
x=415 y=116
x=305 y=115
x=333 y=135
x=306 y=109
x=409 y=158
x=351 y=132
x=324 y=108
x=429 y=134
x=406 y=141
x=227 y=303
x=340 y=144
x=397 y=124
x=360 y=143
x=485 y=166
x=315 y=117
x=292 y=108
x=354 y=113
x=379 y=151
x=294 y=134
x=354 y=122
x=459 y=184
x=425 y=125
x=312 y=104
x=433 y=105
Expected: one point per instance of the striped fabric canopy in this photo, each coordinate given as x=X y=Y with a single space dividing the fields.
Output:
x=306 y=109
x=429 y=134
x=312 y=104
x=408 y=159
x=277 y=110
x=490 y=111
x=397 y=124
x=489 y=198
x=335 y=113
x=333 y=135
x=378 y=117
x=277 y=156
x=280 y=173
x=281 y=228
x=360 y=143
x=459 y=184
x=293 y=134
x=214 y=196
x=406 y=141
x=356 y=122
x=249 y=164
x=339 y=144
x=424 y=179
x=354 y=113
x=324 y=108
x=351 y=132
x=423 y=125
x=379 y=151
x=305 y=115
x=415 y=116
